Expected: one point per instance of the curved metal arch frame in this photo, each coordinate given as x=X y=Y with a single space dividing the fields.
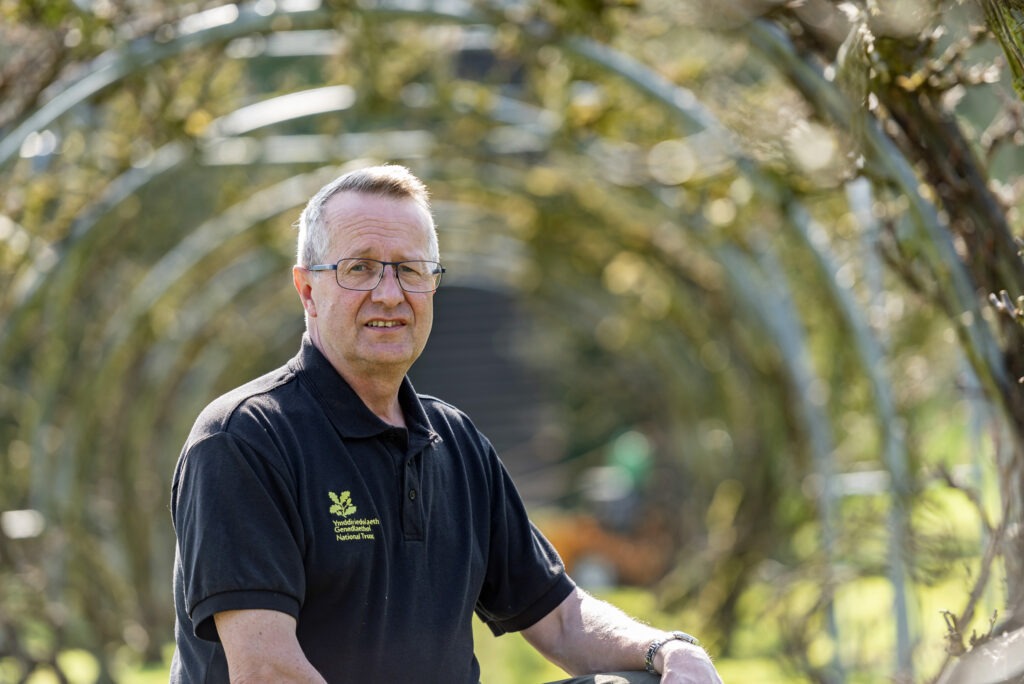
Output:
x=114 y=65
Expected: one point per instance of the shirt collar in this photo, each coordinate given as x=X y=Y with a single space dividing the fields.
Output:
x=350 y=416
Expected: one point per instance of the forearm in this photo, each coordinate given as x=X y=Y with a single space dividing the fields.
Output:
x=584 y=635
x=269 y=671
x=261 y=648
x=587 y=635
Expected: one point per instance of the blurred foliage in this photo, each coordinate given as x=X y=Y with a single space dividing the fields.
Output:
x=765 y=235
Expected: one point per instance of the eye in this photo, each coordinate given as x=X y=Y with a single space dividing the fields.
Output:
x=360 y=266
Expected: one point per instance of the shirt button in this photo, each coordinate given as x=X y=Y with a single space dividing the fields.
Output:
x=412 y=495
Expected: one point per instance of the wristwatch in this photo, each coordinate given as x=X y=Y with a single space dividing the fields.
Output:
x=658 y=643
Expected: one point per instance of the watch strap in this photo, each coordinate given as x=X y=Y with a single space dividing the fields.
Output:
x=652 y=650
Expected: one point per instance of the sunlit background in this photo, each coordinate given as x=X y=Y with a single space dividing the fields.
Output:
x=733 y=287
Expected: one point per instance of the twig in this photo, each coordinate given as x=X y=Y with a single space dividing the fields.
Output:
x=954 y=637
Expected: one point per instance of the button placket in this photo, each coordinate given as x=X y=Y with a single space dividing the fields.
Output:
x=412 y=504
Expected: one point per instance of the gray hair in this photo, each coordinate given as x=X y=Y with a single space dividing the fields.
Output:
x=388 y=180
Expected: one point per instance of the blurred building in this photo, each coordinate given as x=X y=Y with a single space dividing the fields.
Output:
x=472 y=361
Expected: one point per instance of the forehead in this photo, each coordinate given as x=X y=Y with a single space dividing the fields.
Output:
x=372 y=223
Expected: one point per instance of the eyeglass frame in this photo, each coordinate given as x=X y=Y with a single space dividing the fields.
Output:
x=380 y=278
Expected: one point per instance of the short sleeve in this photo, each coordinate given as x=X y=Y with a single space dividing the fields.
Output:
x=525 y=577
x=239 y=532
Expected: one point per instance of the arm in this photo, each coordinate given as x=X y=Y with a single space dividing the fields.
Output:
x=586 y=635
x=261 y=646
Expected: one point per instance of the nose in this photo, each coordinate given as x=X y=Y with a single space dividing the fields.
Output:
x=389 y=290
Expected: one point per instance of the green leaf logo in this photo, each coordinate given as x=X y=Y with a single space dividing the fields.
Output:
x=342 y=504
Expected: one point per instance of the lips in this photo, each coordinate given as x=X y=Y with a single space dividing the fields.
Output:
x=383 y=324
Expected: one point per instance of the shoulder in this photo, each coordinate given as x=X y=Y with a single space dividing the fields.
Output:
x=243 y=425
x=446 y=417
x=443 y=409
x=463 y=443
x=248 y=408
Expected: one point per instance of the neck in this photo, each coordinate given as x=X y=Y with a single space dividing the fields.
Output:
x=378 y=388
x=381 y=397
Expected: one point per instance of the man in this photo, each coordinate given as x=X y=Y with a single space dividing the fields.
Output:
x=334 y=526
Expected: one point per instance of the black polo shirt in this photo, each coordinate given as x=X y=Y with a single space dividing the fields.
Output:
x=291 y=495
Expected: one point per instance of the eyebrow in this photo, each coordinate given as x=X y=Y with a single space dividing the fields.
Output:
x=366 y=254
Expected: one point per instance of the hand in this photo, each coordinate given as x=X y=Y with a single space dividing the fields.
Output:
x=683 y=663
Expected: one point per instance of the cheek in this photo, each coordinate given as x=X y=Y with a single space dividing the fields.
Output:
x=425 y=313
x=337 y=309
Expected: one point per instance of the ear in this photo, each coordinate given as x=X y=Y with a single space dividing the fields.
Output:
x=304 y=286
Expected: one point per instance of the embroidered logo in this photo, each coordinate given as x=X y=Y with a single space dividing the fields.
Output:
x=347 y=528
x=342 y=504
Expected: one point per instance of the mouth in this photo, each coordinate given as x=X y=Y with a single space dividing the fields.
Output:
x=384 y=324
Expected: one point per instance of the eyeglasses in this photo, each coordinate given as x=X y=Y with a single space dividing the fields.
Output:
x=366 y=274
